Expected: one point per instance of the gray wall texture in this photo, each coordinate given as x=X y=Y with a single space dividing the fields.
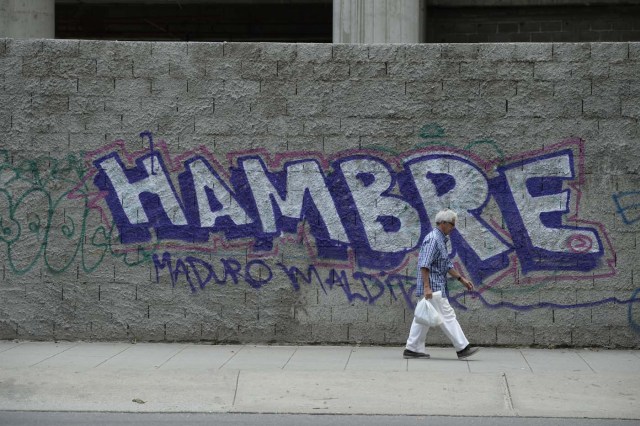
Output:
x=279 y=192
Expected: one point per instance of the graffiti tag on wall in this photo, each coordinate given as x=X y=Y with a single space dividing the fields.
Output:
x=359 y=208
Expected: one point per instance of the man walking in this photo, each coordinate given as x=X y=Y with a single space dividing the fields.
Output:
x=433 y=266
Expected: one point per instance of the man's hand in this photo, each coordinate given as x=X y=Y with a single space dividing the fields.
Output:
x=467 y=283
x=428 y=294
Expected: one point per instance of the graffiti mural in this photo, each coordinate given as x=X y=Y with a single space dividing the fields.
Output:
x=361 y=208
x=359 y=216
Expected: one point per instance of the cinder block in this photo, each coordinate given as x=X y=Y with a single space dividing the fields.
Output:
x=74 y=68
x=243 y=51
x=201 y=88
x=574 y=88
x=460 y=51
x=169 y=50
x=144 y=331
x=313 y=314
x=593 y=69
x=610 y=52
x=426 y=72
x=330 y=333
x=196 y=106
x=314 y=52
x=533 y=52
x=168 y=87
x=331 y=71
x=376 y=127
x=150 y=69
x=514 y=335
x=625 y=337
x=365 y=333
x=480 y=334
x=350 y=52
x=133 y=87
x=53 y=103
x=571 y=52
x=115 y=50
x=183 y=332
x=67 y=122
x=534 y=317
x=257 y=71
x=61 y=48
x=321 y=126
x=306 y=106
x=396 y=334
x=293 y=71
x=386 y=315
x=30 y=67
x=237 y=89
x=117 y=68
x=222 y=69
x=103 y=122
x=366 y=70
x=630 y=108
x=58 y=86
x=422 y=52
x=634 y=50
x=497 y=51
x=334 y=144
x=612 y=314
x=8 y=330
x=349 y=314
x=591 y=336
x=602 y=106
x=553 y=335
x=293 y=333
x=23 y=48
x=278 y=88
x=96 y=86
x=279 y=125
x=499 y=88
x=257 y=333
x=386 y=52
x=20 y=86
x=270 y=107
x=623 y=70
x=425 y=90
x=285 y=52
x=201 y=52
x=188 y=69
x=535 y=88
x=552 y=71
x=497 y=70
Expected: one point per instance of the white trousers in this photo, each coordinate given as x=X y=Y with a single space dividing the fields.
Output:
x=450 y=327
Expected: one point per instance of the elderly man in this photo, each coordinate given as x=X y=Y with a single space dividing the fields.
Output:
x=433 y=266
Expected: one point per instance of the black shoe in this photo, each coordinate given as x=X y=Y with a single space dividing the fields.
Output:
x=407 y=354
x=467 y=352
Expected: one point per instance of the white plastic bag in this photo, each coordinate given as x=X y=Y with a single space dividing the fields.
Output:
x=426 y=314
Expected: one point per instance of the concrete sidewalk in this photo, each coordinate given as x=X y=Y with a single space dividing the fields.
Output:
x=177 y=377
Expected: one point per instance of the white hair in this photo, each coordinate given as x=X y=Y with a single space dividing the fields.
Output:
x=446 y=216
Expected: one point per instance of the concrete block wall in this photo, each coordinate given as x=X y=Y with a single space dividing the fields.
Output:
x=245 y=192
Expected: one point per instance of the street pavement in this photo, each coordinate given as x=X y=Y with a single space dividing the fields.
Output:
x=200 y=378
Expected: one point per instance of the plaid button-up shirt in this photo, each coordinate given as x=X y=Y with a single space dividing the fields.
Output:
x=435 y=256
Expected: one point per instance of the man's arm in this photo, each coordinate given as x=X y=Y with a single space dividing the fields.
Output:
x=466 y=282
x=428 y=293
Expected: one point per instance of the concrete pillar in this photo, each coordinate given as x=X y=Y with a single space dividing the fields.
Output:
x=27 y=19
x=378 y=21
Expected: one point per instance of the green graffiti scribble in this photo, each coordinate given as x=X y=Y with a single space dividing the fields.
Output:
x=434 y=135
x=28 y=209
x=432 y=131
